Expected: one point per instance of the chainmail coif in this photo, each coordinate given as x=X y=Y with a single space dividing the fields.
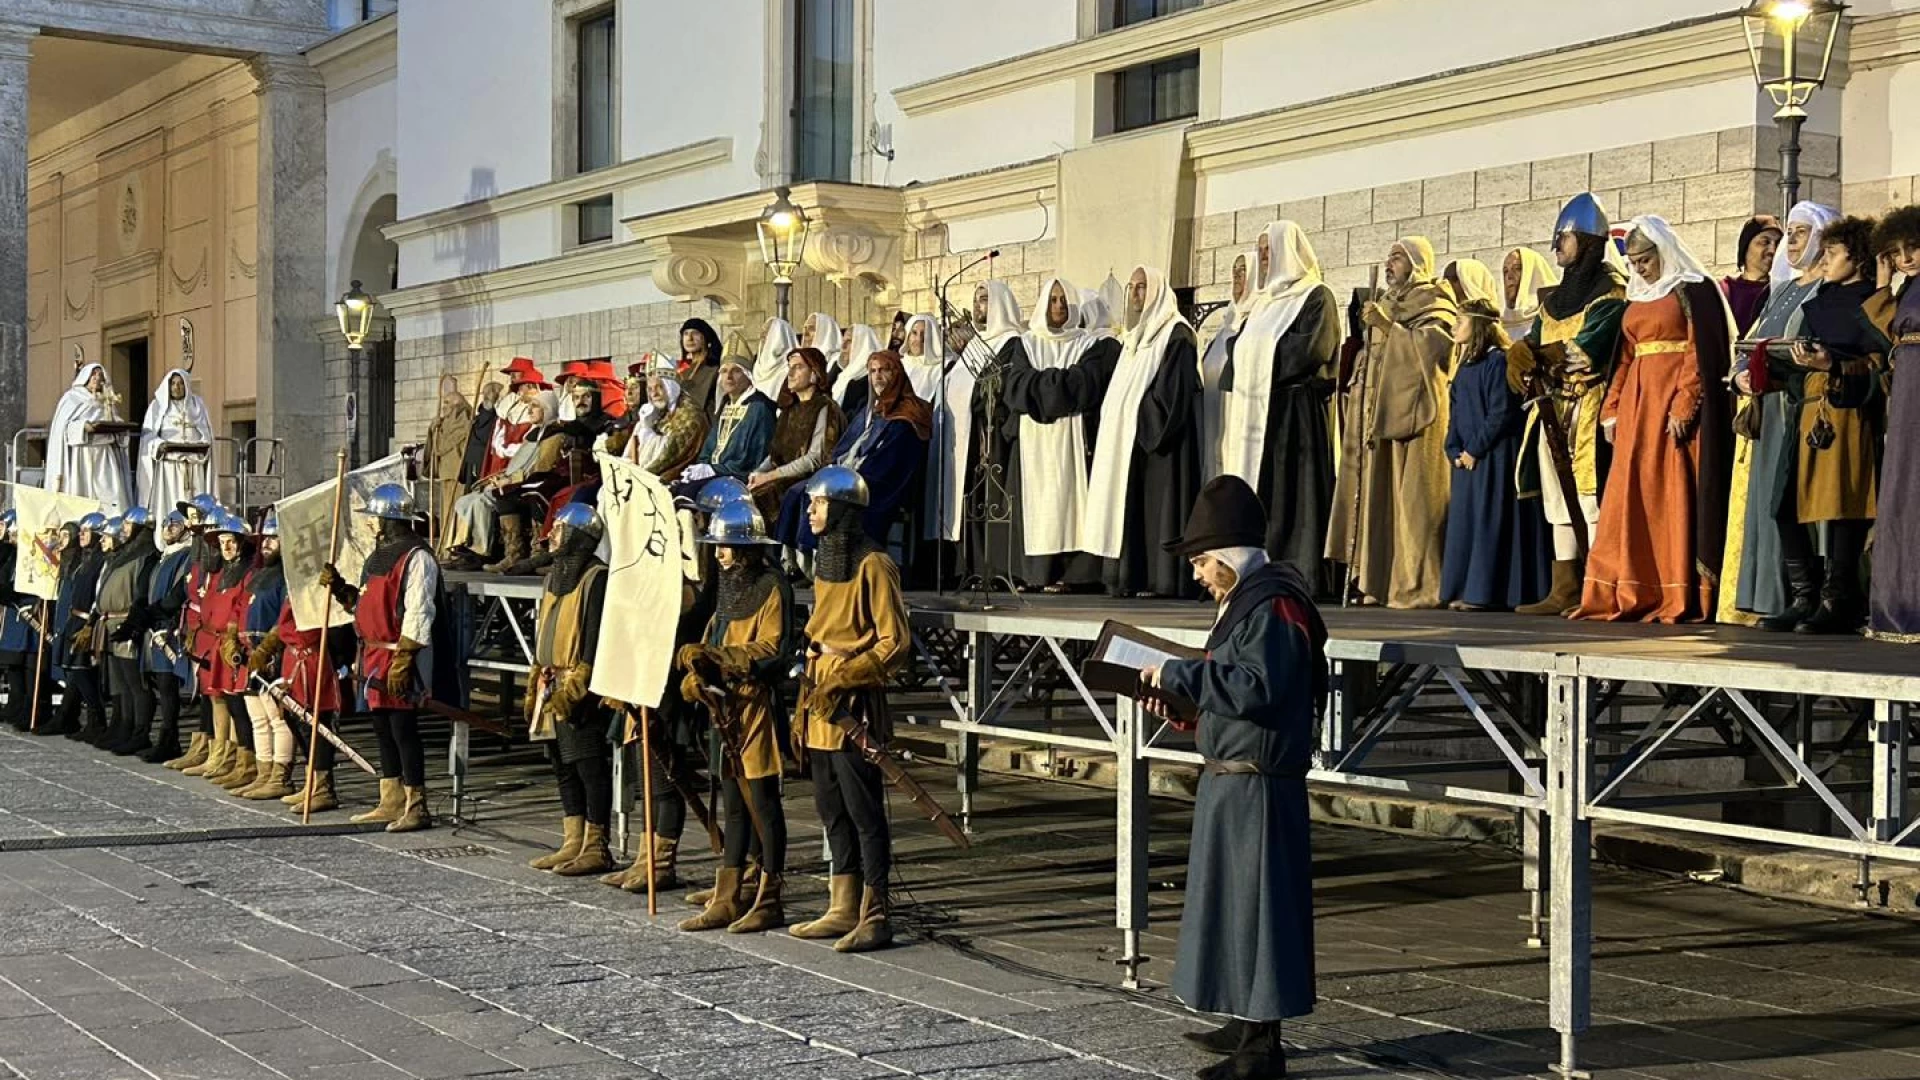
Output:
x=572 y=561
x=843 y=545
x=397 y=540
x=744 y=587
x=1590 y=277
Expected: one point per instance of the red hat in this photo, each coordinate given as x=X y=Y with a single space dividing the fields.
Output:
x=575 y=369
x=522 y=370
x=600 y=370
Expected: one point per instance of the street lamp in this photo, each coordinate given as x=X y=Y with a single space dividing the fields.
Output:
x=1791 y=45
x=355 y=311
x=783 y=240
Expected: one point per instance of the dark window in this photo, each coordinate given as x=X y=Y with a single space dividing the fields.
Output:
x=1156 y=93
x=1127 y=12
x=593 y=220
x=823 y=90
x=596 y=91
x=376 y=418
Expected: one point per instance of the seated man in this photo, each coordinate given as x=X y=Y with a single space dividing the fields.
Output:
x=477 y=514
x=738 y=440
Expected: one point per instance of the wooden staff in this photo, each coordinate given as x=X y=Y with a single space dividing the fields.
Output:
x=1367 y=360
x=39 y=669
x=646 y=809
x=326 y=616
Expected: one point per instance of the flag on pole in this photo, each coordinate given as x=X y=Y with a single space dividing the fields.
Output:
x=306 y=524
x=40 y=514
x=642 y=610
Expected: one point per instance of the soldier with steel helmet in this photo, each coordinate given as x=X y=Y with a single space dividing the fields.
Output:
x=1565 y=361
x=123 y=593
x=858 y=640
x=560 y=708
x=232 y=764
x=272 y=734
x=71 y=633
x=394 y=605
x=163 y=654
x=289 y=656
x=202 y=513
x=735 y=671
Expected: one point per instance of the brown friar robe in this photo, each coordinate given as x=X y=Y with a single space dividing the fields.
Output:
x=1390 y=505
x=447 y=449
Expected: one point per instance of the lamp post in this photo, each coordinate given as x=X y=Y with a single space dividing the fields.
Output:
x=355 y=311
x=1791 y=45
x=783 y=241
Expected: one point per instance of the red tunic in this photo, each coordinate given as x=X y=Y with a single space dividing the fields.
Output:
x=298 y=664
x=377 y=620
x=221 y=610
x=505 y=440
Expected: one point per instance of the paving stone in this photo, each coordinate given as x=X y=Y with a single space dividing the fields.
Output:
x=434 y=1056
x=298 y=1049
x=232 y=1016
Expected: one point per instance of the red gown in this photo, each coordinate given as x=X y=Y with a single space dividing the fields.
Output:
x=1643 y=566
x=297 y=662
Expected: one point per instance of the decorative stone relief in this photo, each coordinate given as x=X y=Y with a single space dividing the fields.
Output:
x=858 y=253
x=186 y=283
x=691 y=270
x=128 y=206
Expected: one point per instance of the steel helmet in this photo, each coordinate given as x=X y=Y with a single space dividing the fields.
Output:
x=9 y=517
x=840 y=484
x=231 y=523
x=270 y=523
x=391 y=502
x=112 y=526
x=578 y=515
x=202 y=509
x=94 y=521
x=174 y=518
x=1584 y=214
x=139 y=516
x=737 y=524
x=719 y=491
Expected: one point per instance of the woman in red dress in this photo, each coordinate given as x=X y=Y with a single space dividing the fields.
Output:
x=1656 y=555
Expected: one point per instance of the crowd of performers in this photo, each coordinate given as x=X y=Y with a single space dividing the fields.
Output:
x=181 y=629
x=1604 y=432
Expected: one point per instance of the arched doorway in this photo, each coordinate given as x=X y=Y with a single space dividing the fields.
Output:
x=374 y=261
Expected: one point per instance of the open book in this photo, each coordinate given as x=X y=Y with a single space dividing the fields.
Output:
x=1122 y=652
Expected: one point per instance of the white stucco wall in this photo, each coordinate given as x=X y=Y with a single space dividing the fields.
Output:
x=361 y=163
x=1392 y=41
x=917 y=40
x=1879 y=112
x=476 y=77
x=711 y=81
x=1525 y=137
x=560 y=303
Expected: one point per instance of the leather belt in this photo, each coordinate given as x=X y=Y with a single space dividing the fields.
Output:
x=1216 y=767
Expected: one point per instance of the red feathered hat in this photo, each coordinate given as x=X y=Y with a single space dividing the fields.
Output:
x=577 y=369
x=521 y=370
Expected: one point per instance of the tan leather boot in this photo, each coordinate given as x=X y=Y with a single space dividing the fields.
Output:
x=324 y=797
x=723 y=908
x=1565 y=594
x=298 y=794
x=271 y=786
x=219 y=758
x=413 y=813
x=571 y=830
x=666 y=859
x=749 y=883
x=196 y=753
x=843 y=910
x=392 y=801
x=513 y=541
x=593 y=856
x=246 y=769
x=875 y=929
x=766 y=912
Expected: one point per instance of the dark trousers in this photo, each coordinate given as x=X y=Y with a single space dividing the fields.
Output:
x=82 y=691
x=586 y=786
x=206 y=714
x=16 y=682
x=164 y=689
x=403 y=755
x=242 y=726
x=132 y=697
x=741 y=837
x=850 y=795
x=669 y=809
x=323 y=751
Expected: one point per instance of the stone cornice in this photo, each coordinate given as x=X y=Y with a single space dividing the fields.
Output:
x=381 y=30
x=1684 y=54
x=601 y=181
x=16 y=41
x=1016 y=187
x=229 y=32
x=79 y=141
x=285 y=74
x=1883 y=40
x=1152 y=40
x=358 y=57
x=589 y=266
x=700 y=217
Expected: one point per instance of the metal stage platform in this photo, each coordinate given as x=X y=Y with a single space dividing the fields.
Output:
x=1814 y=732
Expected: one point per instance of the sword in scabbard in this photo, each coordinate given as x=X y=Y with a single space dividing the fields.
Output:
x=683 y=784
x=733 y=744
x=277 y=690
x=861 y=736
x=1560 y=453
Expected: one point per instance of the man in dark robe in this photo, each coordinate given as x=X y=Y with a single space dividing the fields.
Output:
x=1894 y=607
x=1054 y=376
x=1565 y=361
x=559 y=707
x=479 y=434
x=16 y=637
x=123 y=595
x=1146 y=458
x=700 y=366
x=1278 y=376
x=1246 y=931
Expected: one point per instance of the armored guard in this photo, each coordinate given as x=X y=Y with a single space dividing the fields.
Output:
x=560 y=709
x=163 y=658
x=123 y=596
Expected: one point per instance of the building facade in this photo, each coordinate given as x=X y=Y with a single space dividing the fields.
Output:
x=570 y=178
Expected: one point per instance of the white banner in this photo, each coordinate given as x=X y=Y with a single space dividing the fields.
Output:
x=36 y=571
x=306 y=524
x=642 y=609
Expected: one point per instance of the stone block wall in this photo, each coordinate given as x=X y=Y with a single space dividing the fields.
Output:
x=1875 y=197
x=1706 y=185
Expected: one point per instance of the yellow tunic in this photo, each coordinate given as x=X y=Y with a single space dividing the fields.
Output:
x=744 y=643
x=859 y=629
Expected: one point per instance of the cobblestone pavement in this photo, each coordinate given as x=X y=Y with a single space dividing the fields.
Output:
x=439 y=954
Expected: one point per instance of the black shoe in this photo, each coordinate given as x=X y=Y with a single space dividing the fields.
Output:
x=1803 y=589
x=1221 y=1040
x=1260 y=1056
x=161 y=752
x=130 y=747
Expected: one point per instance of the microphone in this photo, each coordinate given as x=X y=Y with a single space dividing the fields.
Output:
x=994 y=254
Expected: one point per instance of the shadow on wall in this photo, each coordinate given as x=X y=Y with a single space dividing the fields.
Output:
x=475 y=247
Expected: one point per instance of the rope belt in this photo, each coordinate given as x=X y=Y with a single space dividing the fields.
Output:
x=1911 y=337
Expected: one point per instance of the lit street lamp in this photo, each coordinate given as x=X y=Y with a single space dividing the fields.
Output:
x=1791 y=45
x=783 y=240
x=355 y=311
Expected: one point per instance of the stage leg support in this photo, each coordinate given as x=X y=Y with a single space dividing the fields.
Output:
x=1130 y=848
x=1889 y=808
x=1570 y=953
x=979 y=692
x=459 y=749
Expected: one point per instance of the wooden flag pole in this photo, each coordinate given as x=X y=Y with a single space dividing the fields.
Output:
x=39 y=669
x=326 y=617
x=646 y=809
